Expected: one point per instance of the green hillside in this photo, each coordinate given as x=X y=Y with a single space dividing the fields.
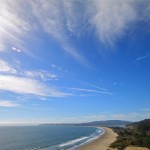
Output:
x=137 y=134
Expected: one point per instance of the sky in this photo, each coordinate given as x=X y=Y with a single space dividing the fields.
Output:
x=71 y=61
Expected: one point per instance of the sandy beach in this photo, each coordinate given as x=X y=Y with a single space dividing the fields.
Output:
x=103 y=142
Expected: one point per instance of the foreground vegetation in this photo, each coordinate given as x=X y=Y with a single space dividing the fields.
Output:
x=137 y=134
x=136 y=148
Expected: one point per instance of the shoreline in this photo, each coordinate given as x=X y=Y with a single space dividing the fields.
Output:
x=103 y=142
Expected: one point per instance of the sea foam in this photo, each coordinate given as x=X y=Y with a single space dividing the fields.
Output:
x=76 y=143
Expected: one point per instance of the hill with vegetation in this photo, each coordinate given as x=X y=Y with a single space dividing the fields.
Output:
x=108 y=123
x=135 y=134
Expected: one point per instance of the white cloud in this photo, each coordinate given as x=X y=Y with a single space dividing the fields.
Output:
x=6 y=103
x=111 y=18
x=26 y=82
x=49 y=15
x=92 y=90
x=6 y=67
x=63 y=19
x=14 y=24
x=23 y=85
x=53 y=19
x=2 y=47
x=40 y=74
x=75 y=16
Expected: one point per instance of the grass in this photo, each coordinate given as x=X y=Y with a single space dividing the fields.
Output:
x=136 y=148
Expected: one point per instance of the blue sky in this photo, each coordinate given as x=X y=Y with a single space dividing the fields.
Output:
x=74 y=61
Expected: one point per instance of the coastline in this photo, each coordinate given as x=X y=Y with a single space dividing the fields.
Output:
x=103 y=142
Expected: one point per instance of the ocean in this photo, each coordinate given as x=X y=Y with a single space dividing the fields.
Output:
x=46 y=137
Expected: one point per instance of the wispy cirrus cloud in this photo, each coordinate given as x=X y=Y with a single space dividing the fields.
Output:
x=6 y=103
x=27 y=81
x=9 y=69
x=47 y=15
x=142 y=57
x=53 y=19
x=110 y=19
x=27 y=86
x=63 y=19
x=39 y=74
x=92 y=90
x=14 y=24
x=5 y=67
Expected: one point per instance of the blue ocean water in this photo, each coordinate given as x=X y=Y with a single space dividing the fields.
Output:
x=46 y=137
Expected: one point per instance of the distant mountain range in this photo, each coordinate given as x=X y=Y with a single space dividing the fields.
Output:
x=109 y=123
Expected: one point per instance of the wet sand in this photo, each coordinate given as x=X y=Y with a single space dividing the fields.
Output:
x=103 y=142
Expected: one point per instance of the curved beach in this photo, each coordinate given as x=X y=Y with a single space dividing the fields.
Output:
x=103 y=142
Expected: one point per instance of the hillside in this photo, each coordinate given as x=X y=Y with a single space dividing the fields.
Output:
x=137 y=134
x=142 y=126
x=107 y=123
